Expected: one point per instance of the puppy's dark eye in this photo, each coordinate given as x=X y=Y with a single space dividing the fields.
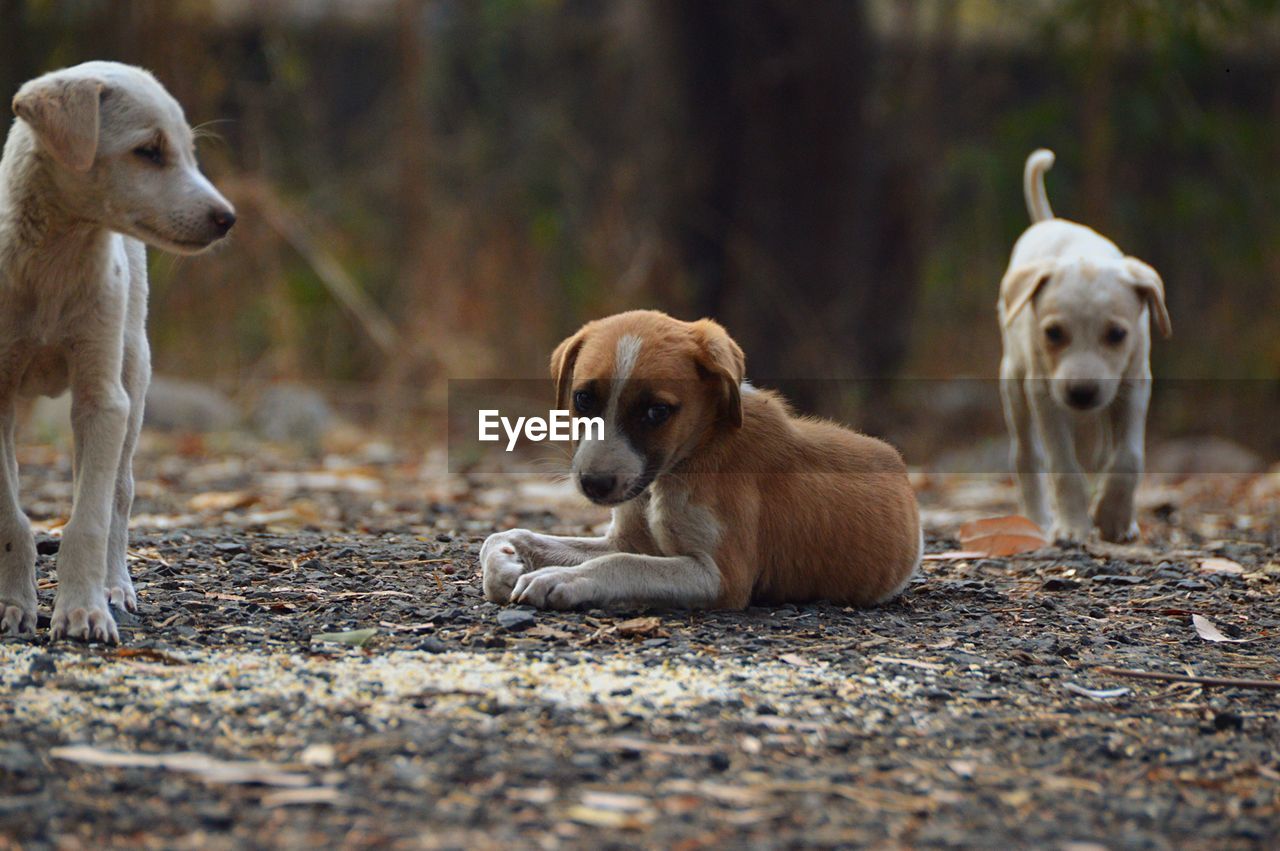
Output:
x=656 y=415
x=151 y=153
x=583 y=400
x=1115 y=335
x=1055 y=334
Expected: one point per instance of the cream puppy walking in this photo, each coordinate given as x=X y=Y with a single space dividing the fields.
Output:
x=99 y=161
x=1075 y=316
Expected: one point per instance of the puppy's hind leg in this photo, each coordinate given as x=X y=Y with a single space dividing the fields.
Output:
x=1114 y=510
x=1026 y=454
x=17 y=548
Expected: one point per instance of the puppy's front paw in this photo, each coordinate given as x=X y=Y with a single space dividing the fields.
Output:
x=1118 y=531
x=554 y=588
x=1075 y=533
x=18 y=588
x=84 y=616
x=17 y=617
x=501 y=565
x=1115 y=520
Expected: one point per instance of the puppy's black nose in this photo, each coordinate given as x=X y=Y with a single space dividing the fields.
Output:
x=597 y=486
x=1082 y=394
x=222 y=220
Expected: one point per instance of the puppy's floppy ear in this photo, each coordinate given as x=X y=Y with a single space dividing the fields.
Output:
x=1151 y=289
x=562 y=361
x=64 y=113
x=721 y=358
x=1020 y=285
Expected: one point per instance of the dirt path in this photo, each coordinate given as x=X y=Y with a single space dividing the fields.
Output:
x=954 y=717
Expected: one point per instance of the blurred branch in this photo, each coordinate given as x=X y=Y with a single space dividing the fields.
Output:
x=336 y=279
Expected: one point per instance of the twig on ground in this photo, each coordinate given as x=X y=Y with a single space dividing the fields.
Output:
x=1231 y=682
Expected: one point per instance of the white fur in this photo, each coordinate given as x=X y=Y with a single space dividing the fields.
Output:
x=73 y=293
x=520 y=566
x=613 y=454
x=625 y=357
x=1071 y=277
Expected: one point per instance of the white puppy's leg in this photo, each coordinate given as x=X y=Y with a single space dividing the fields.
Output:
x=1070 y=487
x=17 y=548
x=119 y=586
x=1114 y=512
x=99 y=420
x=623 y=579
x=1026 y=453
x=506 y=556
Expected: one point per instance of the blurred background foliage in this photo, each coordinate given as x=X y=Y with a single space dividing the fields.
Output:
x=435 y=189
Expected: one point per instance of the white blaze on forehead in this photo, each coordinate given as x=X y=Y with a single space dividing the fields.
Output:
x=614 y=454
x=623 y=365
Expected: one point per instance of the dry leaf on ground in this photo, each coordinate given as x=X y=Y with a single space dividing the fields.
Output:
x=1002 y=536
x=1220 y=565
x=1210 y=632
x=639 y=626
x=354 y=637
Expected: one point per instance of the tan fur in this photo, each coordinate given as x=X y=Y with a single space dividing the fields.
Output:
x=784 y=508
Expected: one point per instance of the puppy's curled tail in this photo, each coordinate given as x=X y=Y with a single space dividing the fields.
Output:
x=1038 y=163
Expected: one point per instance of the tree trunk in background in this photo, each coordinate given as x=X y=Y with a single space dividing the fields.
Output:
x=410 y=146
x=13 y=69
x=1095 y=118
x=794 y=228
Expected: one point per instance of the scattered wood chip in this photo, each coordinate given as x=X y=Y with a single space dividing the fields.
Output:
x=205 y=767
x=352 y=638
x=1000 y=537
x=298 y=797
x=639 y=626
x=632 y=743
x=222 y=500
x=1225 y=682
x=408 y=627
x=1209 y=631
x=544 y=631
x=611 y=819
x=320 y=755
x=615 y=801
x=149 y=654
x=954 y=555
x=533 y=794
x=910 y=663
x=1096 y=693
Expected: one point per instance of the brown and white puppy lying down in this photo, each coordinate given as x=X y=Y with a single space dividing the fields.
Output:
x=721 y=496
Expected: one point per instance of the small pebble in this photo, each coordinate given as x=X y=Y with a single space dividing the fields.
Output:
x=516 y=620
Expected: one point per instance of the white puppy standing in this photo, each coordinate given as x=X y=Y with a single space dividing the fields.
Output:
x=1075 y=315
x=99 y=158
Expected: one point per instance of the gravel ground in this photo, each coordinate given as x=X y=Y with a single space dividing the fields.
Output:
x=974 y=711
